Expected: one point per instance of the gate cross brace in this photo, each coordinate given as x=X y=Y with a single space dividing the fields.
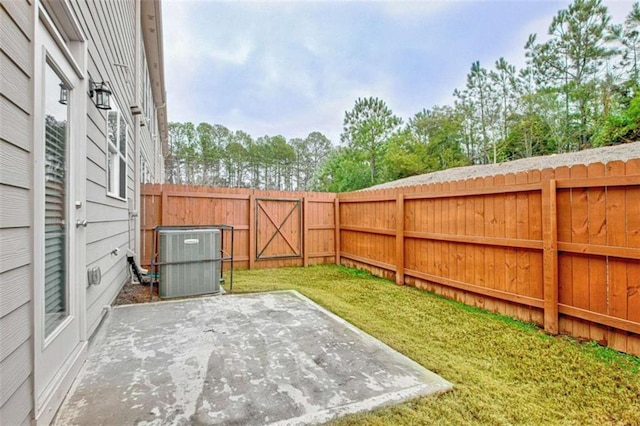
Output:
x=278 y=228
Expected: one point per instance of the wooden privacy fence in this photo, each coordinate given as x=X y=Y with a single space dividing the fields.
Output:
x=559 y=248
x=271 y=228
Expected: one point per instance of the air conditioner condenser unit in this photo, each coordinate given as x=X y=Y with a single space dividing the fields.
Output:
x=189 y=262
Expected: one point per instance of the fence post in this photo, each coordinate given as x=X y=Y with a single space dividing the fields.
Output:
x=550 y=253
x=305 y=231
x=336 y=219
x=163 y=206
x=400 y=239
x=252 y=230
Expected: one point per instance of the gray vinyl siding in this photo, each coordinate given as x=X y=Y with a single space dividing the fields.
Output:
x=150 y=148
x=110 y=29
x=146 y=151
x=16 y=171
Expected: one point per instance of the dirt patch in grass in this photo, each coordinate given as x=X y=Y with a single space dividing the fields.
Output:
x=504 y=371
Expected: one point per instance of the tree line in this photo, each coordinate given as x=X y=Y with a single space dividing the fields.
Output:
x=213 y=155
x=577 y=90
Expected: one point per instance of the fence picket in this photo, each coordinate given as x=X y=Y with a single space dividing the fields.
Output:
x=579 y=234
x=499 y=231
x=597 y=233
x=536 y=270
x=488 y=225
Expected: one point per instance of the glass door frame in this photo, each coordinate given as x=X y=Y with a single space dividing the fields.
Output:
x=59 y=356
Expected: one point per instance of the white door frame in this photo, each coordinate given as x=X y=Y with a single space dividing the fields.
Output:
x=59 y=356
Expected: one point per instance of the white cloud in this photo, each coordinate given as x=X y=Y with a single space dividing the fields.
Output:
x=236 y=54
x=417 y=9
x=295 y=67
x=619 y=9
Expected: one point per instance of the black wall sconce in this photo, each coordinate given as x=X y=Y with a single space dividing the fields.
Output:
x=64 y=94
x=100 y=93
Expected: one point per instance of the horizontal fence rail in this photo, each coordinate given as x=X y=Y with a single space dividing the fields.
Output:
x=558 y=247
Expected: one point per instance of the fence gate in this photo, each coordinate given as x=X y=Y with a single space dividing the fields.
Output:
x=278 y=228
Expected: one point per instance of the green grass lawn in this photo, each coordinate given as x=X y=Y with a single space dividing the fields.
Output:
x=504 y=371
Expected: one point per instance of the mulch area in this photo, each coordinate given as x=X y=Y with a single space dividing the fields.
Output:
x=136 y=293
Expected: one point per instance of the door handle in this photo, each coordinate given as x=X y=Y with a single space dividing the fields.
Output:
x=82 y=223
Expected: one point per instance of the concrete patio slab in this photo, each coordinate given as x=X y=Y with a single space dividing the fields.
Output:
x=270 y=358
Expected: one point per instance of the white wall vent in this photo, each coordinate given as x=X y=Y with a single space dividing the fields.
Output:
x=189 y=262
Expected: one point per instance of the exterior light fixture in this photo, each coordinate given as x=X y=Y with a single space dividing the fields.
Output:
x=135 y=110
x=100 y=94
x=64 y=94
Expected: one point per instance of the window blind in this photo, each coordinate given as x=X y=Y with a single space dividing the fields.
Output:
x=55 y=273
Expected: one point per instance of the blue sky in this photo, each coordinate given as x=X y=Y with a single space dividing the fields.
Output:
x=293 y=67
